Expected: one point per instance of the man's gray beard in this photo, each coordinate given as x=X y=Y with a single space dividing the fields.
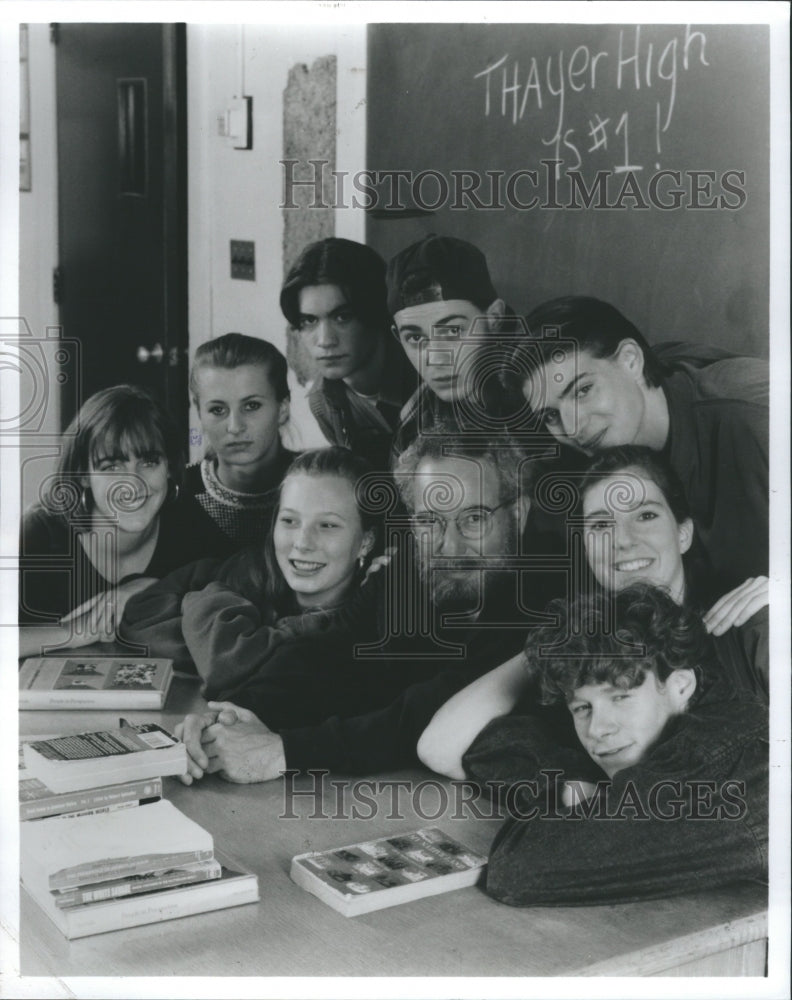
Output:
x=455 y=591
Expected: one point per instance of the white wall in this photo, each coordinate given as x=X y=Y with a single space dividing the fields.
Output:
x=38 y=250
x=236 y=194
x=38 y=208
x=232 y=194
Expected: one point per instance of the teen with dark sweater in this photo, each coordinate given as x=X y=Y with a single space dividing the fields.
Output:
x=664 y=790
x=334 y=299
x=226 y=619
x=108 y=524
x=449 y=320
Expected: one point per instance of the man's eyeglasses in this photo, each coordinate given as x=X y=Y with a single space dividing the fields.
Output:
x=473 y=523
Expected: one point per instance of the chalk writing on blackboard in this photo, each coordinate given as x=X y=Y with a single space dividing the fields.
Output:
x=560 y=91
x=604 y=120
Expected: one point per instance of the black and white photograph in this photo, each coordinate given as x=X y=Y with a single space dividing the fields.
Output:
x=399 y=392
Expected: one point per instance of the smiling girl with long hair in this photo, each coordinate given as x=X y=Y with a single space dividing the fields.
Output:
x=226 y=618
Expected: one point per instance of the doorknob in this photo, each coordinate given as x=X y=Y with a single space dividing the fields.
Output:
x=156 y=354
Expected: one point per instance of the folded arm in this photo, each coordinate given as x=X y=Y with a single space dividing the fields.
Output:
x=459 y=721
x=95 y=621
x=154 y=617
x=379 y=740
x=230 y=639
x=636 y=848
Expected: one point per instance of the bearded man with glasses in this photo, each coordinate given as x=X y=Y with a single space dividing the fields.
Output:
x=451 y=606
x=468 y=507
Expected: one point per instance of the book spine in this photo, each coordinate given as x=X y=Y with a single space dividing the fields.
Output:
x=156 y=907
x=79 y=699
x=103 y=871
x=108 y=809
x=90 y=799
x=137 y=886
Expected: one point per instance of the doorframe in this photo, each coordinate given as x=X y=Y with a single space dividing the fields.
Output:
x=175 y=222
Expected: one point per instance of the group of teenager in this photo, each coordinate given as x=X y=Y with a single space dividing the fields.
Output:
x=533 y=555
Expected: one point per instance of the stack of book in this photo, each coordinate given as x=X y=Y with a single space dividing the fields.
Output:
x=100 y=857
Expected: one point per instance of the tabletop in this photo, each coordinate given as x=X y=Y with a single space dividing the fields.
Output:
x=292 y=933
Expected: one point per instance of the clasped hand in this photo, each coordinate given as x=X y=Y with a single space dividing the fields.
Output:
x=232 y=742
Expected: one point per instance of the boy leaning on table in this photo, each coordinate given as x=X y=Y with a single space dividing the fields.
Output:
x=665 y=789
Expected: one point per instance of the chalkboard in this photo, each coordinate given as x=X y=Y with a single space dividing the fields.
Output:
x=570 y=131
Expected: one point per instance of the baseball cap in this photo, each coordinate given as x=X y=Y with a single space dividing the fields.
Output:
x=435 y=269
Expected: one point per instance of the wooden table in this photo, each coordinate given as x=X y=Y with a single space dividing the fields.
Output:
x=463 y=933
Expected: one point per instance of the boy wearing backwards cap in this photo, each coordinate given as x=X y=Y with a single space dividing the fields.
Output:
x=440 y=295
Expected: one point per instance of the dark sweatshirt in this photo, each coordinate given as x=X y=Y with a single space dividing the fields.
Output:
x=691 y=815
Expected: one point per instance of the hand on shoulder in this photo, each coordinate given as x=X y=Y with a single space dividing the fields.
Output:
x=738 y=605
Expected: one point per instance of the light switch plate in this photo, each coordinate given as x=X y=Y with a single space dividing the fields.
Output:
x=239 y=124
x=243 y=260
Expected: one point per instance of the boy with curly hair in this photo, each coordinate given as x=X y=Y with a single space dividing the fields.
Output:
x=664 y=790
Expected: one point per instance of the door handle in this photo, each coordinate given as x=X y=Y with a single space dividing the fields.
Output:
x=156 y=354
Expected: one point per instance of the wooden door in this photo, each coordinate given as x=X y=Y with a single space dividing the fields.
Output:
x=122 y=276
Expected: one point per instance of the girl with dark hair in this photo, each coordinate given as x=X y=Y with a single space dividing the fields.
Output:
x=240 y=389
x=638 y=529
x=591 y=382
x=226 y=618
x=106 y=525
